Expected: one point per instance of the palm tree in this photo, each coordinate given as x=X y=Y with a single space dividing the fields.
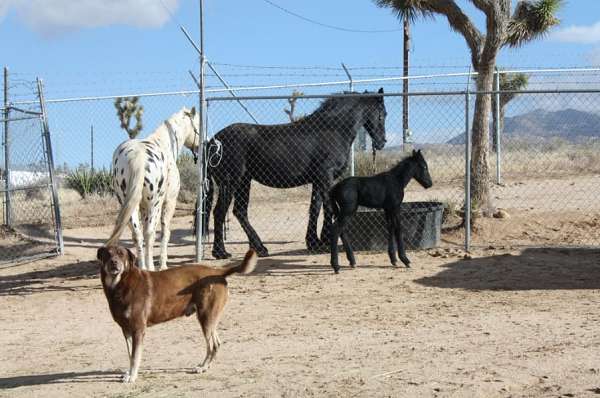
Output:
x=509 y=87
x=529 y=20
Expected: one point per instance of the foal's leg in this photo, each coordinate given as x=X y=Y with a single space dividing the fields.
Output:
x=221 y=209
x=337 y=231
x=348 y=249
x=312 y=240
x=333 y=245
x=137 y=237
x=389 y=218
x=400 y=240
x=240 y=211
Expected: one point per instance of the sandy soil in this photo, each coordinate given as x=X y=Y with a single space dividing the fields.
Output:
x=507 y=322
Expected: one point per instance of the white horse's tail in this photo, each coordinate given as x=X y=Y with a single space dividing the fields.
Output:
x=132 y=196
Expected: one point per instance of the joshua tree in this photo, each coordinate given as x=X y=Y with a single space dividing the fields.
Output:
x=529 y=20
x=292 y=101
x=126 y=108
x=512 y=84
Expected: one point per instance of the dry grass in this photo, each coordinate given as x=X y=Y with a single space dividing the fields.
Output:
x=520 y=160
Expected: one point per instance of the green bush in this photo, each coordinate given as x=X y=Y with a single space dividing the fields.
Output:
x=87 y=182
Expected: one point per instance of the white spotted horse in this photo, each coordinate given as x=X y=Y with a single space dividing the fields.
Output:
x=145 y=180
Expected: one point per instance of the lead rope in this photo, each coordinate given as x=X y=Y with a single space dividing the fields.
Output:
x=373 y=165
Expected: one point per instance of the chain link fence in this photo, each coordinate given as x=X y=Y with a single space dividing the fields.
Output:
x=544 y=172
x=30 y=220
x=281 y=216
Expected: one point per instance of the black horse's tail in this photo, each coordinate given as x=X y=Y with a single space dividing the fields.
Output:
x=209 y=199
x=207 y=204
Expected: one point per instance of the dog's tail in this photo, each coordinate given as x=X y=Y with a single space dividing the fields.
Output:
x=132 y=195
x=246 y=266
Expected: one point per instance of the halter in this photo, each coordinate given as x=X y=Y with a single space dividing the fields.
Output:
x=196 y=136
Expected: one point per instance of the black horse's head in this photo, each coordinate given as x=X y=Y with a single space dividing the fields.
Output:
x=374 y=119
x=422 y=171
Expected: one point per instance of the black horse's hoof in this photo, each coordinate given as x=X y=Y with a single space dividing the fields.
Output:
x=406 y=262
x=352 y=265
x=262 y=251
x=221 y=254
x=336 y=270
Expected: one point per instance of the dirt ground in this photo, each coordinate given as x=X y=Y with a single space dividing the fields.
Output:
x=506 y=322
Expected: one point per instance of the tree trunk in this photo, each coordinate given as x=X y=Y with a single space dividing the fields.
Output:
x=480 y=169
x=494 y=122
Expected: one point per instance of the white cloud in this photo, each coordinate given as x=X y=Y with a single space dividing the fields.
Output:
x=50 y=17
x=579 y=34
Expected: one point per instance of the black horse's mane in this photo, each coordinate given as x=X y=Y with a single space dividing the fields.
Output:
x=334 y=105
x=401 y=165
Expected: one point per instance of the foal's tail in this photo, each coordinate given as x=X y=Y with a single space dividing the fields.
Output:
x=132 y=194
x=335 y=208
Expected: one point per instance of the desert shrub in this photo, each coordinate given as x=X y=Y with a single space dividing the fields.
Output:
x=188 y=174
x=86 y=181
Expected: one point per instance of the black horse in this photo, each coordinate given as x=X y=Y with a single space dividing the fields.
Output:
x=313 y=150
x=382 y=191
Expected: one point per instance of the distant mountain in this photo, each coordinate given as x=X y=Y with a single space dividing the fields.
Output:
x=569 y=124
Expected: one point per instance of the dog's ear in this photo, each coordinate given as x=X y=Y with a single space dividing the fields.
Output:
x=102 y=254
x=131 y=257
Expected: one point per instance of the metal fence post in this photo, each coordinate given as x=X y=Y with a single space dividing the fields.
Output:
x=7 y=204
x=50 y=157
x=352 y=160
x=467 y=175
x=497 y=124
x=200 y=202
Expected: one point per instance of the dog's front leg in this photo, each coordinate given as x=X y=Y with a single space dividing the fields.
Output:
x=135 y=357
x=128 y=343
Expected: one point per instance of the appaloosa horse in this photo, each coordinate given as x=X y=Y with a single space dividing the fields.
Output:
x=146 y=181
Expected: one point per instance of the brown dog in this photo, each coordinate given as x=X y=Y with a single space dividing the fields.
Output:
x=138 y=299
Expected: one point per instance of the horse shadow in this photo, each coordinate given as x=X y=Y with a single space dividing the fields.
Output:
x=273 y=266
x=532 y=269
x=59 y=378
x=49 y=279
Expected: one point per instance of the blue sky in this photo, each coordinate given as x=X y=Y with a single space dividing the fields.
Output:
x=130 y=44
x=112 y=47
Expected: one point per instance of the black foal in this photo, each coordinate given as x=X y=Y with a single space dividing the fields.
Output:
x=381 y=191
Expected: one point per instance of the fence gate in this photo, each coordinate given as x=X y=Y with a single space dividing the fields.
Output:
x=30 y=218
